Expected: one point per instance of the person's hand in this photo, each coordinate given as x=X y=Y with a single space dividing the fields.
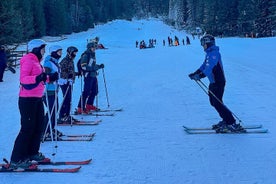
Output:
x=41 y=77
x=70 y=76
x=101 y=65
x=53 y=77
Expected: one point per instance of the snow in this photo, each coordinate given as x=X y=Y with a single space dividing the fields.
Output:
x=146 y=143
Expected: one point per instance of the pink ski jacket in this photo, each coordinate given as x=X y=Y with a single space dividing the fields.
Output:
x=30 y=67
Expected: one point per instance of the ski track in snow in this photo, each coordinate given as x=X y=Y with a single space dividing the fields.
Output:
x=146 y=143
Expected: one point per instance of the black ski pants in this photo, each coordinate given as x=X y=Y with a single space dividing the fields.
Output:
x=90 y=91
x=224 y=112
x=27 y=142
x=67 y=98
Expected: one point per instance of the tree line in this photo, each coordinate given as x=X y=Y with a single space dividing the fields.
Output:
x=225 y=17
x=21 y=20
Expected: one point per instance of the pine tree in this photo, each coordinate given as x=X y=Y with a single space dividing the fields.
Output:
x=10 y=29
x=38 y=18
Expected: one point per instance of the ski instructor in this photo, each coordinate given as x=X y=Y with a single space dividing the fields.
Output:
x=213 y=69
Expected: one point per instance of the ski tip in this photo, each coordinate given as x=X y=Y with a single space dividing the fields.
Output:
x=186 y=128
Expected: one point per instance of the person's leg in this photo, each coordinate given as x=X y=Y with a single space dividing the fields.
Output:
x=23 y=139
x=217 y=103
x=93 y=91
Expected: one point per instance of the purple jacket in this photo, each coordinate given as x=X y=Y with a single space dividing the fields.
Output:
x=30 y=67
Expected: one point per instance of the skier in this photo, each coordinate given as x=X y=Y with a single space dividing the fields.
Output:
x=90 y=68
x=188 y=40
x=52 y=68
x=67 y=78
x=212 y=68
x=3 y=62
x=32 y=79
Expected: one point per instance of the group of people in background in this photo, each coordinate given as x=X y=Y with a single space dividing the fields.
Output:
x=171 y=42
x=142 y=44
x=39 y=86
x=176 y=41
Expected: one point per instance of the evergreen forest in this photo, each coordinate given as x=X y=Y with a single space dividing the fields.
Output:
x=22 y=20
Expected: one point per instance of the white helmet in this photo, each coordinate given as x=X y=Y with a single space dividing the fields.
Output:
x=54 y=48
x=36 y=43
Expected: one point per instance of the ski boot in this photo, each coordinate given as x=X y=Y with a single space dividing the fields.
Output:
x=230 y=128
x=218 y=125
x=26 y=164
x=39 y=158
x=81 y=111
x=92 y=108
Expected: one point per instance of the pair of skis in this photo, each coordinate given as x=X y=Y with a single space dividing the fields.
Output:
x=76 y=137
x=249 y=129
x=5 y=167
x=100 y=112
x=80 y=122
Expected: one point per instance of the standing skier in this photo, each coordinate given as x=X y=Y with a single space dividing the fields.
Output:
x=212 y=68
x=52 y=68
x=90 y=68
x=32 y=79
x=3 y=62
x=66 y=81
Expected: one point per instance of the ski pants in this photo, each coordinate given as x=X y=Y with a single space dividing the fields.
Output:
x=224 y=112
x=67 y=98
x=90 y=91
x=27 y=142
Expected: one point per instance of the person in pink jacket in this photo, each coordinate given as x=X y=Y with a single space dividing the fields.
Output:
x=32 y=79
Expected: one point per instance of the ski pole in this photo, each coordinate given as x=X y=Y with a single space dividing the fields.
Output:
x=207 y=91
x=63 y=100
x=49 y=117
x=106 y=93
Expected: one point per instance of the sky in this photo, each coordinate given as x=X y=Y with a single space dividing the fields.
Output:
x=145 y=143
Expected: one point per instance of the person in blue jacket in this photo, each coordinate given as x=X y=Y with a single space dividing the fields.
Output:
x=52 y=68
x=212 y=68
x=3 y=62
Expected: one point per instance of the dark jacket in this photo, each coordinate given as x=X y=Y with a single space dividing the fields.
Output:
x=88 y=63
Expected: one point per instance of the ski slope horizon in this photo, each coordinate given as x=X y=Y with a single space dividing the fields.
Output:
x=146 y=143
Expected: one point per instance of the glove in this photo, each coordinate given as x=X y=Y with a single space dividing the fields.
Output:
x=41 y=77
x=194 y=76
x=53 y=77
x=70 y=76
x=101 y=65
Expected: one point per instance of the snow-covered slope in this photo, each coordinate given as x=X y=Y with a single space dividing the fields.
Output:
x=146 y=143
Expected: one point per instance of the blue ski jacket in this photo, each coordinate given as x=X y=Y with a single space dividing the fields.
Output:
x=212 y=66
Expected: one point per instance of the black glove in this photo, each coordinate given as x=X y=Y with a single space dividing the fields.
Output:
x=101 y=65
x=194 y=76
x=53 y=77
x=78 y=74
x=70 y=76
x=41 y=77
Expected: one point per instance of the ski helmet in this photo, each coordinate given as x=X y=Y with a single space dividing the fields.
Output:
x=209 y=40
x=71 y=50
x=36 y=43
x=91 y=45
x=55 y=48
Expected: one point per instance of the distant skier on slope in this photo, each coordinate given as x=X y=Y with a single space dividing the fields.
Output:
x=212 y=68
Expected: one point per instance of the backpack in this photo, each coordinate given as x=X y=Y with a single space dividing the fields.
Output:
x=80 y=70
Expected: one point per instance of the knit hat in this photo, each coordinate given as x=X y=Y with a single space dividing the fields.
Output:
x=54 y=48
